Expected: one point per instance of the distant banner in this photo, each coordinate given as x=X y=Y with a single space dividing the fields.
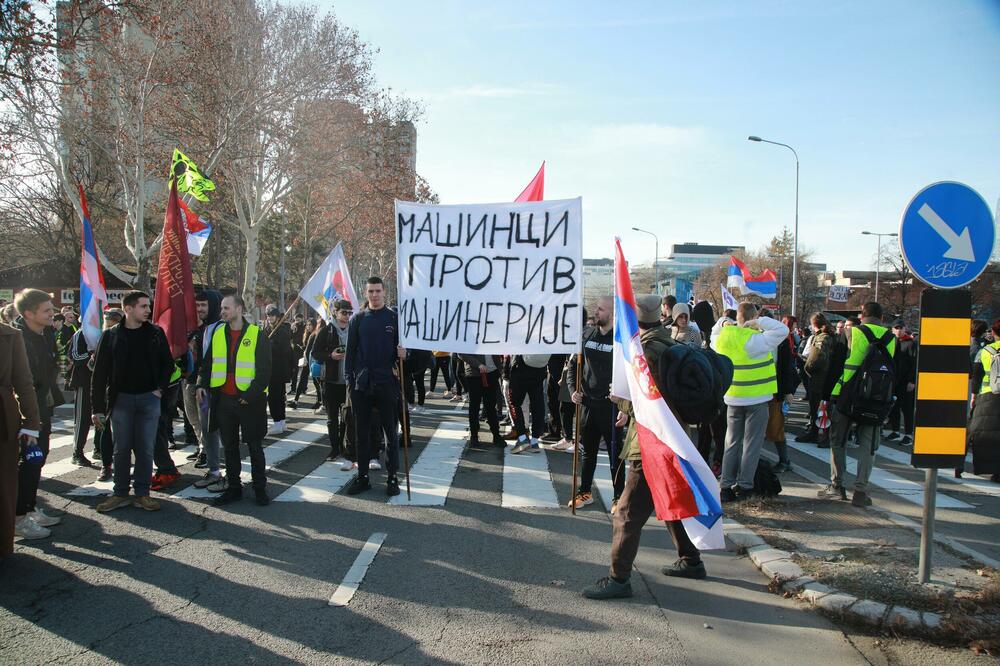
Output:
x=490 y=278
x=839 y=293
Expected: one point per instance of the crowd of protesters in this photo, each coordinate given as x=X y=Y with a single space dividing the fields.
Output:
x=238 y=375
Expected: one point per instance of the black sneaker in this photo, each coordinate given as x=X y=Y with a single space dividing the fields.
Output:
x=745 y=493
x=832 y=492
x=359 y=484
x=202 y=462
x=260 y=496
x=861 y=499
x=823 y=443
x=727 y=495
x=808 y=436
x=684 y=569
x=608 y=588
x=891 y=436
x=231 y=495
x=193 y=456
x=80 y=460
x=392 y=486
x=905 y=441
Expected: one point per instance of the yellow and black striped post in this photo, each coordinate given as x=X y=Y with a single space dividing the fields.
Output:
x=942 y=379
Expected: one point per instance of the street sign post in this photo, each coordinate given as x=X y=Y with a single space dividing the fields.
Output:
x=946 y=236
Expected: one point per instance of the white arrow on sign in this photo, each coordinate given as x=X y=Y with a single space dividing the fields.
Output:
x=959 y=245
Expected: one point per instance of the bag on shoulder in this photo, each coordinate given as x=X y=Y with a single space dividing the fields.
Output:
x=765 y=482
x=694 y=381
x=870 y=393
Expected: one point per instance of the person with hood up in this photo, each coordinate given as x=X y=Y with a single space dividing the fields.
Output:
x=684 y=330
x=208 y=456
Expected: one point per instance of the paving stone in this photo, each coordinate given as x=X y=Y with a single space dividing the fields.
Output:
x=742 y=535
x=870 y=612
x=903 y=618
x=783 y=569
x=763 y=554
x=798 y=584
x=836 y=602
x=813 y=592
x=932 y=621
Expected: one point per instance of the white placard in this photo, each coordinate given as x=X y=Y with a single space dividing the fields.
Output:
x=839 y=293
x=67 y=296
x=490 y=278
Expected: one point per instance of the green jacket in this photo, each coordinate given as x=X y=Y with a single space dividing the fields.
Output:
x=654 y=342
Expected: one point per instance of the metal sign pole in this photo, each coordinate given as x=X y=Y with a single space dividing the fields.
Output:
x=927 y=526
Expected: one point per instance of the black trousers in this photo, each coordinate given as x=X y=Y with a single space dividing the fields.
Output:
x=81 y=420
x=456 y=372
x=415 y=378
x=229 y=432
x=521 y=386
x=597 y=423
x=164 y=429
x=567 y=415
x=485 y=397
x=386 y=399
x=554 y=372
x=28 y=476
x=334 y=396
x=709 y=432
x=276 y=397
x=441 y=364
x=904 y=406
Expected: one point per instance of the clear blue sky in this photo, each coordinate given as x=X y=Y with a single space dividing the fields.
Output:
x=643 y=109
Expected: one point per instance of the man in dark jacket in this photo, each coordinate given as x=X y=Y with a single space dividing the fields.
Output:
x=208 y=304
x=35 y=324
x=283 y=365
x=330 y=349
x=596 y=420
x=132 y=369
x=235 y=376
x=905 y=363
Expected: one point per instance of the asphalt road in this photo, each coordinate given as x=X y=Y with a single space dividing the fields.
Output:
x=467 y=582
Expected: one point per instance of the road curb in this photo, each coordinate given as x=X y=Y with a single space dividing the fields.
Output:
x=788 y=577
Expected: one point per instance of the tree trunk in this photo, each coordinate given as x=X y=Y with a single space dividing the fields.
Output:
x=253 y=255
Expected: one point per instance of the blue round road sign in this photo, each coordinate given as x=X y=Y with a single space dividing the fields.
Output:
x=947 y=235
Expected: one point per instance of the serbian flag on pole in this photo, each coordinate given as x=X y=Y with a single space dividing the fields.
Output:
x=535 y=191
x=764 y=285
x=330 y=283
x=92 y=290
x=682 y=485
x=173 y=305
x=198 y=230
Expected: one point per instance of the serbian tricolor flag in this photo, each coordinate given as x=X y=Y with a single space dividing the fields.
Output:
x=764 y=285
x=92 y=290
x=535 y=191
x=198 y=230
x=330 y=283
x=682 y=485
x=173 y=304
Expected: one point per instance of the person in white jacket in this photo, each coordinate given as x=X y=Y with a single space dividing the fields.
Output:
x=749 y=342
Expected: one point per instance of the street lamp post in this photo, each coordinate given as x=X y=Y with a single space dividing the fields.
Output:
x=656 y=255
x=878 y=255
x=795 y=249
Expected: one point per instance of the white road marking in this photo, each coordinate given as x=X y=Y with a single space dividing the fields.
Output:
x=345 y=592
x=434 y=471
x=602 y=479
x=973 y=483
x=526 y=481
x=318 y=486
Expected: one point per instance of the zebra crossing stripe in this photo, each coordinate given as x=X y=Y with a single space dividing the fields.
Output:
x=971 y=483
x=911 y=491
x=527 y=482
x=318 y=486
x=602 y=479
x=274 y=454
x=434 y=471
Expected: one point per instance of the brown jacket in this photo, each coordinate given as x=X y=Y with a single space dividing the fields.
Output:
x=18 y=409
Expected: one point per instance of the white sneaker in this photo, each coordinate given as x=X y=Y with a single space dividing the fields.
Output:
x=26 y=528
x=418 y=409
x=348 y=466
x=375 y=465
x=43 y=519
x=562 y=445
x=277 y=428
x=536 y=445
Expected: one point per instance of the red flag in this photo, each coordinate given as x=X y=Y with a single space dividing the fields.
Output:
x=535 y=191
x=173 y=306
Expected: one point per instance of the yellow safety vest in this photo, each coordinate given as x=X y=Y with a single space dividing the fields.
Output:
x=245 y=363
x=752 y=377
x=859 y=347
x=986 y=358
x=176 y=374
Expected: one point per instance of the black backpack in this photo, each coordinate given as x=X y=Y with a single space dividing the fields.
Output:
x=765 y=481
x=694 y=381
x=868 y=396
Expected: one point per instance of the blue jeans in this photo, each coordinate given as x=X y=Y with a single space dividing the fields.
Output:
x=134 y=419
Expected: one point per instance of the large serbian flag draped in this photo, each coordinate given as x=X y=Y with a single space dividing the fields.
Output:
x=173 y=306
x=535 y=191
x=92 y=289
x=682 y=485
x=764 y=285
x=330 y=283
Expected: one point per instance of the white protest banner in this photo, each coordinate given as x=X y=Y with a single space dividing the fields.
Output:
x=500 y=278
x=839 y=293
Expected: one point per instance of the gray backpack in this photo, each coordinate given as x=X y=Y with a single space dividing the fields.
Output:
x=994 y=368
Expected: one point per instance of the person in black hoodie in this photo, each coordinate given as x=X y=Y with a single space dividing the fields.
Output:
x=207 y=457
x=35 y=324
x=132 y=369
x=283 y=364
x=596 y=419
x=330 y=348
